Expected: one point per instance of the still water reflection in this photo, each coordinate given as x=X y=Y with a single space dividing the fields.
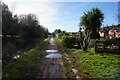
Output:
x=12 y=48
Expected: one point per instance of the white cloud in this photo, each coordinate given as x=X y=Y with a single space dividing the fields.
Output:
x=46 y=12
x=63 y=0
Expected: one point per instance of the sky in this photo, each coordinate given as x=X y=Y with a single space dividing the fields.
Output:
x=64 y=15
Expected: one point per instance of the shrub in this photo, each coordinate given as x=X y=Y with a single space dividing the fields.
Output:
x=68 y=41
x=115 y=41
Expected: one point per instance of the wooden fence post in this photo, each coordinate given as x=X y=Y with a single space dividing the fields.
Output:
x=96 y=45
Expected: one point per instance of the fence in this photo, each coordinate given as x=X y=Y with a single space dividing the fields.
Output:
x=111 y=48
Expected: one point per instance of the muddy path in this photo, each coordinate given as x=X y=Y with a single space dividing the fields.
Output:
x=53 y=66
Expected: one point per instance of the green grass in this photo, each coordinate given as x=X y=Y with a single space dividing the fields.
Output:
x=95 y=65
x=67 y=68
x=91 y=64
x=28 y=65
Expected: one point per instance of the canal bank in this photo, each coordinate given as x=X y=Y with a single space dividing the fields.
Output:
x=29 y=65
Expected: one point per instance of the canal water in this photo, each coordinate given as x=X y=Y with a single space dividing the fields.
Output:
x=13 y=48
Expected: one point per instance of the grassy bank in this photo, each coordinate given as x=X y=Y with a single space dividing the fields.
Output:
x=67 y=66
x=95 y=65
x=28 y=65
x=91 y=64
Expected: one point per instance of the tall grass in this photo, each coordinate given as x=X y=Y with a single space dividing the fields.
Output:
x=95 y=65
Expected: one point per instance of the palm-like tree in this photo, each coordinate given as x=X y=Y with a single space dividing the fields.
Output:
x=92 y=20
x=91 y=23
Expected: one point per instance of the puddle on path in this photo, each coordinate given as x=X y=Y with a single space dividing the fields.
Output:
x=52 y=51
x=52 y=44
x=54 y=55
x=53 y=62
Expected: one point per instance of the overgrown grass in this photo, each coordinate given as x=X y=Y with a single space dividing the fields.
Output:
x=95 y=65
x=28 y=65
x=58 y=41
x=91 y=64
x=67 y=68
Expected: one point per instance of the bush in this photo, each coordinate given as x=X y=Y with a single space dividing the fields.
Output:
x=68 y=41
x=115 y=41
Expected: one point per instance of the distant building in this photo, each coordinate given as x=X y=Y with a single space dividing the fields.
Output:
x=114 y=33
x=110 y=32
x=104 y=33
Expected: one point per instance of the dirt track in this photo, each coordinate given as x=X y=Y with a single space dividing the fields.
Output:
x=53 y=67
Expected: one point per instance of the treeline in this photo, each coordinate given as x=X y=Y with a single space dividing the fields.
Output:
x=20 y=33
x=26 y=26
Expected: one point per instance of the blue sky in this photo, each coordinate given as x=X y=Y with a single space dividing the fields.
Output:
x=63 y=15
x=72 y=11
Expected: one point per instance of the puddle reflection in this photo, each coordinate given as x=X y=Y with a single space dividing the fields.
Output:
x=54 y=55
x=51 y=51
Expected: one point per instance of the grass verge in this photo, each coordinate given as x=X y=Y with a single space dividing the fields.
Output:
x=95 y=65
x=67 y=66
x=28 y=65
x=91 y=64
